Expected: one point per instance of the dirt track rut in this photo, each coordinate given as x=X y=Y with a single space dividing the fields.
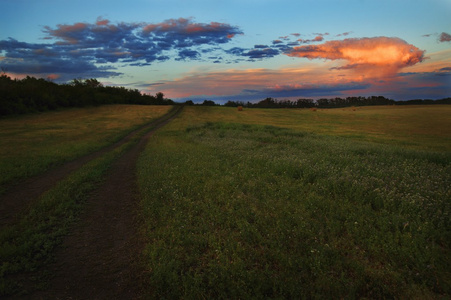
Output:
x=17 y=198
x=100 y=258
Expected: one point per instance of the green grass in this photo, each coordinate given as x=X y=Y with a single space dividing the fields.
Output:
x=254 y=204
x=29 y=243
x=418 y=127
x=257 y=211
x=31 y=144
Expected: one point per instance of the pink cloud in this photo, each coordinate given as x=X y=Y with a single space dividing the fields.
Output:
x=382 y=55
x=102 y=22
x=68 y=33
x=186 y=26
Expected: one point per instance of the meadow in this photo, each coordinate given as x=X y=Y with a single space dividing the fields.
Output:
x=259 y=203
x=31 y=144
x=335 y=203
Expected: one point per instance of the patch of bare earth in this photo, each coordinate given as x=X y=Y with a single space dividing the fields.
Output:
x=101 y=257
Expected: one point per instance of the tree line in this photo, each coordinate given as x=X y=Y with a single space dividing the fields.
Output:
x=333 y=102
x=20 y=96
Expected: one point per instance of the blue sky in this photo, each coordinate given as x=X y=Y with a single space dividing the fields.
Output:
x=243 y=50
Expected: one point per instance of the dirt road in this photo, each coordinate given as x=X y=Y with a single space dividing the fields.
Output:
x=100 y=258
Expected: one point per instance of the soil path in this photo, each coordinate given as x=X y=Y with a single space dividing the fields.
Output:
x=101 y=257
x=18 y=197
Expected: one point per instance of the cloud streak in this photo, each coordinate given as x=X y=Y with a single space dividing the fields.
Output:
x=257 y=84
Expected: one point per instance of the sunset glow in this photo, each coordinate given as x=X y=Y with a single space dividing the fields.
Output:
x=205 y=51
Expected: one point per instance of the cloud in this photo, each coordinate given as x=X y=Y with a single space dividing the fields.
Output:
x=382 y=55
x=261 y=53
x=444 y=37
x=430 y=79
x=258 y=52
x=318 y=38
x=311 y=80
x=185 y=33
x=92 y=49
x=293 y=91
x=345 y=33
x=43 y=60
x=188 y=54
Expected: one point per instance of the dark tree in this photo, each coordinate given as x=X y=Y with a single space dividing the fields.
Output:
x=208 y=103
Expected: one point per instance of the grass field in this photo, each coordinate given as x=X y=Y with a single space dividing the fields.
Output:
x=31 y=144
x=299 y=204
x=420 y=127
x=259 y=203
x=29 y=243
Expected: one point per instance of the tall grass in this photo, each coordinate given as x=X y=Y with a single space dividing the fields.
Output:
x=253 y=211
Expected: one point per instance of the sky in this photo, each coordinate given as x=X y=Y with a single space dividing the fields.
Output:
x=238 y=50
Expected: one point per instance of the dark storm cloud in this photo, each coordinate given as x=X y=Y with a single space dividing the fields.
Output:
x=85 y=49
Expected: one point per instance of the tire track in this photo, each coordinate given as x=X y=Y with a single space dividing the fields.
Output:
x=19 y=197
x=101 y=258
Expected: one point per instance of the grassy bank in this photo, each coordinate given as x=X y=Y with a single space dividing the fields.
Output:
x=239 y=210
x=31 y=144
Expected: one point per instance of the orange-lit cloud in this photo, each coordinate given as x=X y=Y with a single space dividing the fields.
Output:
x=324 y=79
x=102 y=22
x=378 y=55
x=68 y=33
x=186 y=26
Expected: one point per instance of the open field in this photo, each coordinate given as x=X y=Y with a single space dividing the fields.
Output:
x=262 y=203
x=338 y=204
x=420 y=127
x=31 y=144
x=38 y=224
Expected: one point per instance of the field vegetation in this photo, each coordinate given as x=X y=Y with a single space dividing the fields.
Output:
x=299 y=204
x=33 y=143
x=37 y=142
x=252 y=203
